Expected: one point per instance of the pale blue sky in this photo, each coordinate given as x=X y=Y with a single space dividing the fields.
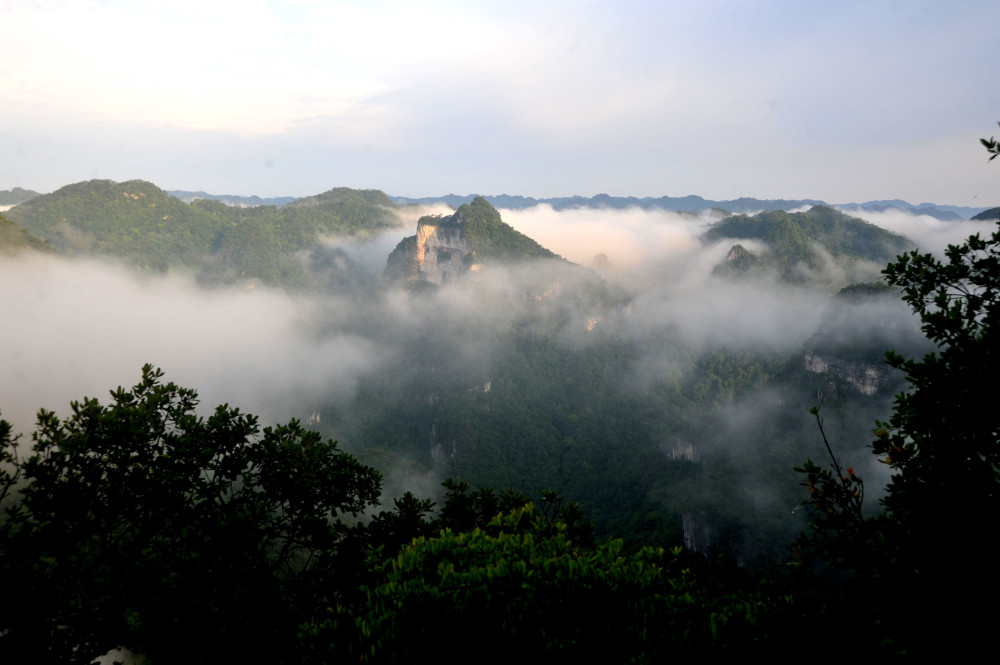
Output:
x=841 y=101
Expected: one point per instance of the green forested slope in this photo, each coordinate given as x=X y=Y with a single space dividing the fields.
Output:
x=142 y=225
x=14 y=239
x=16 y=196
x=792 y=237
x=491 y=238
x=990 y=215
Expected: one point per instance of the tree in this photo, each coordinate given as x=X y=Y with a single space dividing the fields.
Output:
x=927 y=559
x=141 y=524
x=942 y=438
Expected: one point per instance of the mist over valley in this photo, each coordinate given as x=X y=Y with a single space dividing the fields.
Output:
x=642 y=370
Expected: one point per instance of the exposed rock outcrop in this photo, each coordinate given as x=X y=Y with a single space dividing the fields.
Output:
x=739 y=262
x=442 y=252
x=867 y=378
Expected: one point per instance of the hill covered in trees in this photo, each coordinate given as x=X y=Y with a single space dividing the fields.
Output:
x=140 y=224
x=991 y=215
x=802 y=245
x=446 y=247
x=16 y=195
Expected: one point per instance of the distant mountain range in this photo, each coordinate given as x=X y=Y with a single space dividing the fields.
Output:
x=230 y=199
x=698 y=204
x=693 y=204
x=9 y=197
x=143 y=225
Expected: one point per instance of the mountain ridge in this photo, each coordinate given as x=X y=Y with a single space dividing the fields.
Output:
x=690 y=203
x=695 y=204
x=141 y=224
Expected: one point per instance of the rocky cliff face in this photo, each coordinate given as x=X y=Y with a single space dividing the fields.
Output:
x=442 y=253
x=867 y=378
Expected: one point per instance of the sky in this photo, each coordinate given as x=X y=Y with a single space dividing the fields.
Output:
x=844 y=101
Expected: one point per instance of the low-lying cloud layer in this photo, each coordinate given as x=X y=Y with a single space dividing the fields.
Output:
x=395 y=375
x=929 y=233
x=79 y=327
x=75 y=328
x=631 y=240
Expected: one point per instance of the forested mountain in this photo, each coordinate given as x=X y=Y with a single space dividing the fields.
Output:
x=143 y=226
x=802 y=245
x=16 y=196
x=446 y=247
x=990 y=215
x=134 y=220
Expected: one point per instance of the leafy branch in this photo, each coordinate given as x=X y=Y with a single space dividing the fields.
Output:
x=992 y=146
x=836 y=497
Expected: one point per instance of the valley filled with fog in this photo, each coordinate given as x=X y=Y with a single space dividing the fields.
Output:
x=668 y=397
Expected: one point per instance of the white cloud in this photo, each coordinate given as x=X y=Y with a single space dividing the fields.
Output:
x=929 y=233
x=631 y=239
x=75 y=328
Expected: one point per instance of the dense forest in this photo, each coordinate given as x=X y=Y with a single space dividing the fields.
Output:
x=532 y=457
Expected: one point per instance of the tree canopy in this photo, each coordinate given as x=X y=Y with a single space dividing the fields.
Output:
x=141 y=524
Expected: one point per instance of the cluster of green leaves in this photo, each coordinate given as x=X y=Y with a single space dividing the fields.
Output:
x=521 y=585
x=992 y=146
x=836 y=497
x=942 y=438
